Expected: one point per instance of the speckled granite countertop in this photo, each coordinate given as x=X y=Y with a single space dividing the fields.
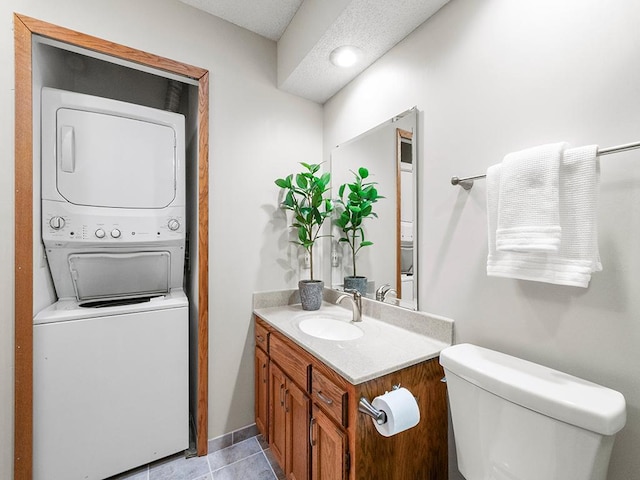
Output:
x=394 y=338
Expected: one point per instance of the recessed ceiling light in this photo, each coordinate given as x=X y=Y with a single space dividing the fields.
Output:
x=345 y=56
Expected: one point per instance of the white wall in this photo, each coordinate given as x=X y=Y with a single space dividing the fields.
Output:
x=256 y=134
x=495 y=76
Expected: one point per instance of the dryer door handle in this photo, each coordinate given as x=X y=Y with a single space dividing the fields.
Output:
x=67 y=149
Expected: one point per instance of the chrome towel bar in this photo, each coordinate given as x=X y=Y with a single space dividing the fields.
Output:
x=467 y=182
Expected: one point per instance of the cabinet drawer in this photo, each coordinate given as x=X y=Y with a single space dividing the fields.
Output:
x=262 y=336
x=329 y=396
x=292 y=361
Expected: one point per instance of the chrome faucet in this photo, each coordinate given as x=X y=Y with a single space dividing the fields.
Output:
x=356 y=303
x=383 y=290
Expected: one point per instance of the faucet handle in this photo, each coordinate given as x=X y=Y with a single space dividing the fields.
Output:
x=381 y=291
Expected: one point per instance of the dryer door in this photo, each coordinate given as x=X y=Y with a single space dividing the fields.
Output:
x=110 y=161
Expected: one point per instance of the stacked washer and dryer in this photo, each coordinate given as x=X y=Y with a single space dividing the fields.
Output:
x=111 y=355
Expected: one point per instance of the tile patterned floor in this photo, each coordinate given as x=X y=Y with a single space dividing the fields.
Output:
x=231 y=457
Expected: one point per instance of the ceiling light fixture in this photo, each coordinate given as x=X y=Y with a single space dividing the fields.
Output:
x=345 y=56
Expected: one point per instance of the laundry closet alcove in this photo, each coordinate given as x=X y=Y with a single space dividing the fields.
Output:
x=27 y=31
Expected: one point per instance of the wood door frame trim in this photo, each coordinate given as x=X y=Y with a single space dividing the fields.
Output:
x=24 y=28
x=400 y=134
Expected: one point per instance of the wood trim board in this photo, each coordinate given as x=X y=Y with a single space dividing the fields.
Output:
x=400 y=134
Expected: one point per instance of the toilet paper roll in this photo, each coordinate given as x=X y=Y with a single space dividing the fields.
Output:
x=401 y=409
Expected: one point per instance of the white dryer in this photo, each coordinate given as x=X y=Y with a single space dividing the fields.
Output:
x=113 y=196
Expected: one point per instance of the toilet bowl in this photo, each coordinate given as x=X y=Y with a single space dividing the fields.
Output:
x=516 y=420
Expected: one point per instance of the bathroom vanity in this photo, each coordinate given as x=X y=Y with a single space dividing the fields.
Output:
x=308 y=389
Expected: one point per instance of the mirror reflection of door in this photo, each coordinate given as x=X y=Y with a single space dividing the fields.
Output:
x=405 y=215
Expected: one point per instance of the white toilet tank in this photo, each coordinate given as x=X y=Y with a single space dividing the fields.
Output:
x=516 y=420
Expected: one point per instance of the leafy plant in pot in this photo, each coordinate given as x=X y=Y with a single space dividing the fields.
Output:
x=305 y=198
x=356 y=207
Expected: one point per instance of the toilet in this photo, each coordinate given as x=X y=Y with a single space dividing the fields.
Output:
x=516 y=420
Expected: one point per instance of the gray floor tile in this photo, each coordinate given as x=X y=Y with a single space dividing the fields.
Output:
x=274 y=465
x=254 y=467
x=234 y=453
x=179 y=468
x=249 y=459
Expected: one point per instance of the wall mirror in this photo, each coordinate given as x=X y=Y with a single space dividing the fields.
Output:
x=388 y=151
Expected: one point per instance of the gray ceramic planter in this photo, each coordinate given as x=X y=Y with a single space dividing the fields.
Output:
x=356 y=283
x=311 y=294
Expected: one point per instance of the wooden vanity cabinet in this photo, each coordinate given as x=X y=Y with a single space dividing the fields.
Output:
x=329 y=448
x=317 y=433
x=289 y=407
x=277 y=420
x=289 y=425
x=297 y=456
x=418 y=453
x=329 y=422
x=262 y=380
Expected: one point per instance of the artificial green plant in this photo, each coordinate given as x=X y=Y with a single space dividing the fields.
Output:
x=305 y=197
x=356 y=207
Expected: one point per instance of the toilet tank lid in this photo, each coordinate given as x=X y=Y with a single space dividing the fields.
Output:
x=549 y=392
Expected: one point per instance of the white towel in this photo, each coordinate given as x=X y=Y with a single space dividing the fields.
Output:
x=528 y=213
x=578 y=255
x=579 y=186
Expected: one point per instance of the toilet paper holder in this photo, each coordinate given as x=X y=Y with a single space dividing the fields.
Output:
x=379 y=416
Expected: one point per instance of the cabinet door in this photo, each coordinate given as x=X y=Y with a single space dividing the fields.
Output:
x=328 y=448
x=262 y=393
x=277 y=418
x=297 y=453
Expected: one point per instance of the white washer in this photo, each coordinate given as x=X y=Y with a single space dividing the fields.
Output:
x=110 y=387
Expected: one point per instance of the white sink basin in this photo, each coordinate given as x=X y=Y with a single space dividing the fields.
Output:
x=329 y=328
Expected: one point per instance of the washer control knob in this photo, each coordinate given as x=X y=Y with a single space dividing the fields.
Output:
x=100 y=233
x=115 y=233
x=56 y=222
x=173 y=224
